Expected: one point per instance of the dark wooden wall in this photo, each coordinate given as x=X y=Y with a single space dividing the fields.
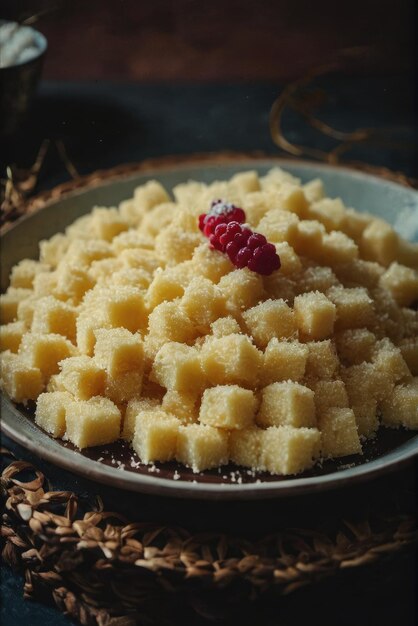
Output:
x=205 y=40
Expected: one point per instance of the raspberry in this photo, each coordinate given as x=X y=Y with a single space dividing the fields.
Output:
x=245 y=248
x=221 y=212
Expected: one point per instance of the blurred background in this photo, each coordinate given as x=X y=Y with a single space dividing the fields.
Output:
x=216 y=40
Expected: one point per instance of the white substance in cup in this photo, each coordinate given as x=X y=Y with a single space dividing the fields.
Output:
x=18 y=44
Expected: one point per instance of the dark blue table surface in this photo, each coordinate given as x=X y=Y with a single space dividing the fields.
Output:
x=103 y=125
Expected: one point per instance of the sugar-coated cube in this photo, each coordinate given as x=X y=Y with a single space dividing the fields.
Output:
x=278 y=225
x=257 y=204
x=401 y=409
x=118 y=351
x=210 y=263
x=228 y=406
x=225 y=326
x=329 y=394
x=290 y=197
x=329 y=211
x=52 y=250
x=272 y=318
x=314 y=190
x=175 y=245
x=280 y=287
x=283 y=360
x=86 y=325
x=177 y=366
x=53 y=316
x=140 y=258
x=45 y=351
x=72 y=283
x=359 y=273
x=131 y=276
x=364 y=385
x=276 y=178
x=242 y=289
x=322 y=360
x=103 y=270
x=355 y=223
x=23 y=273
x=125 y=307
x=50 y=414
x=402 y=282
x=315 y=315
x=82 y=377
x=310 y=234
x=287 y=450
x=11 y=336
x=231 y=360
x=379 y=242
x=201 y=447
x=45 y=283
x=155 y=436
x=131 y=239
x=337 y=248
x=92 y=422
x=286 y=403
x=168 y=284
x=388 y=359
x=82 y=253
x=408 y=253
x=157 y=218
x=409 y=351
x=246 y=182
x=26 y=309
x=133 y=408
x=107 y=223
x=203 y=302
x=182 y=404
x=9 y=302
x=339 y=436
x=169 y=322
x=245 y=447
x=289 y=261
x=354 y=307
x=21 y=381
x=149 y=195
x=355 y=345
x=317 y=278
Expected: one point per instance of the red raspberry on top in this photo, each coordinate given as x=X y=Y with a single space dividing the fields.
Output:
x=221 y=212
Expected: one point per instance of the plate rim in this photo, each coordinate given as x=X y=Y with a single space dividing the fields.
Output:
x=152 y=484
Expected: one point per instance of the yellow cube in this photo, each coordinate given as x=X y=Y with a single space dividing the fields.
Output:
x=286 y=450
x=210 y=263
x=291 y=197
x=362 y=386
x=102 y=271
x=231 y=360
x=287 y=403
x=379 y=242
x=132 y=277
x=329 y=394
x=26 y=309
x=52 y=250
x=359 y=273
x=86 y=325
x=315 y=315
x=283 y=360
x=24 y=272
x=203 y=303
x=228 y=406
x=118 y=351
x=388 y=360
x=329 y=211
x=107 y=223
x=309 y=236
x=53 y=316
x=72 y=283
x=355 y=345
x=149 y=195
x=168 y=284
x=157 y=218
x=290 y=262
x=131 y=239
x=175 y=245
x=9 y=302
x=156 y=434
x=82 y=377
x=45 y=351
x=51 y=408
x=339 y=436
x=182 y=404
x=338 y=248
x=246 y=182
x=133 y=408
x=409 y=351
x=354 y=307
x=242 y=289
x=140 y=258
x=272 y=318
x=225 y=326
x=355 y=223
x=276 y=178
x=317 y=278
x=11 y=336
x=177 y=366
x=408 y=253
x=169 y=322
x=314 y=190
x=402 y=282
x=322 y=360
x=278 y=225
x=280 y=287
x=21 y=381
x=125 y=307
x=245 y=447
x=93 y=422
x=401 y=409
x=201 y=447
x=82 y=252
x=45 y=284
x=256 y=204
